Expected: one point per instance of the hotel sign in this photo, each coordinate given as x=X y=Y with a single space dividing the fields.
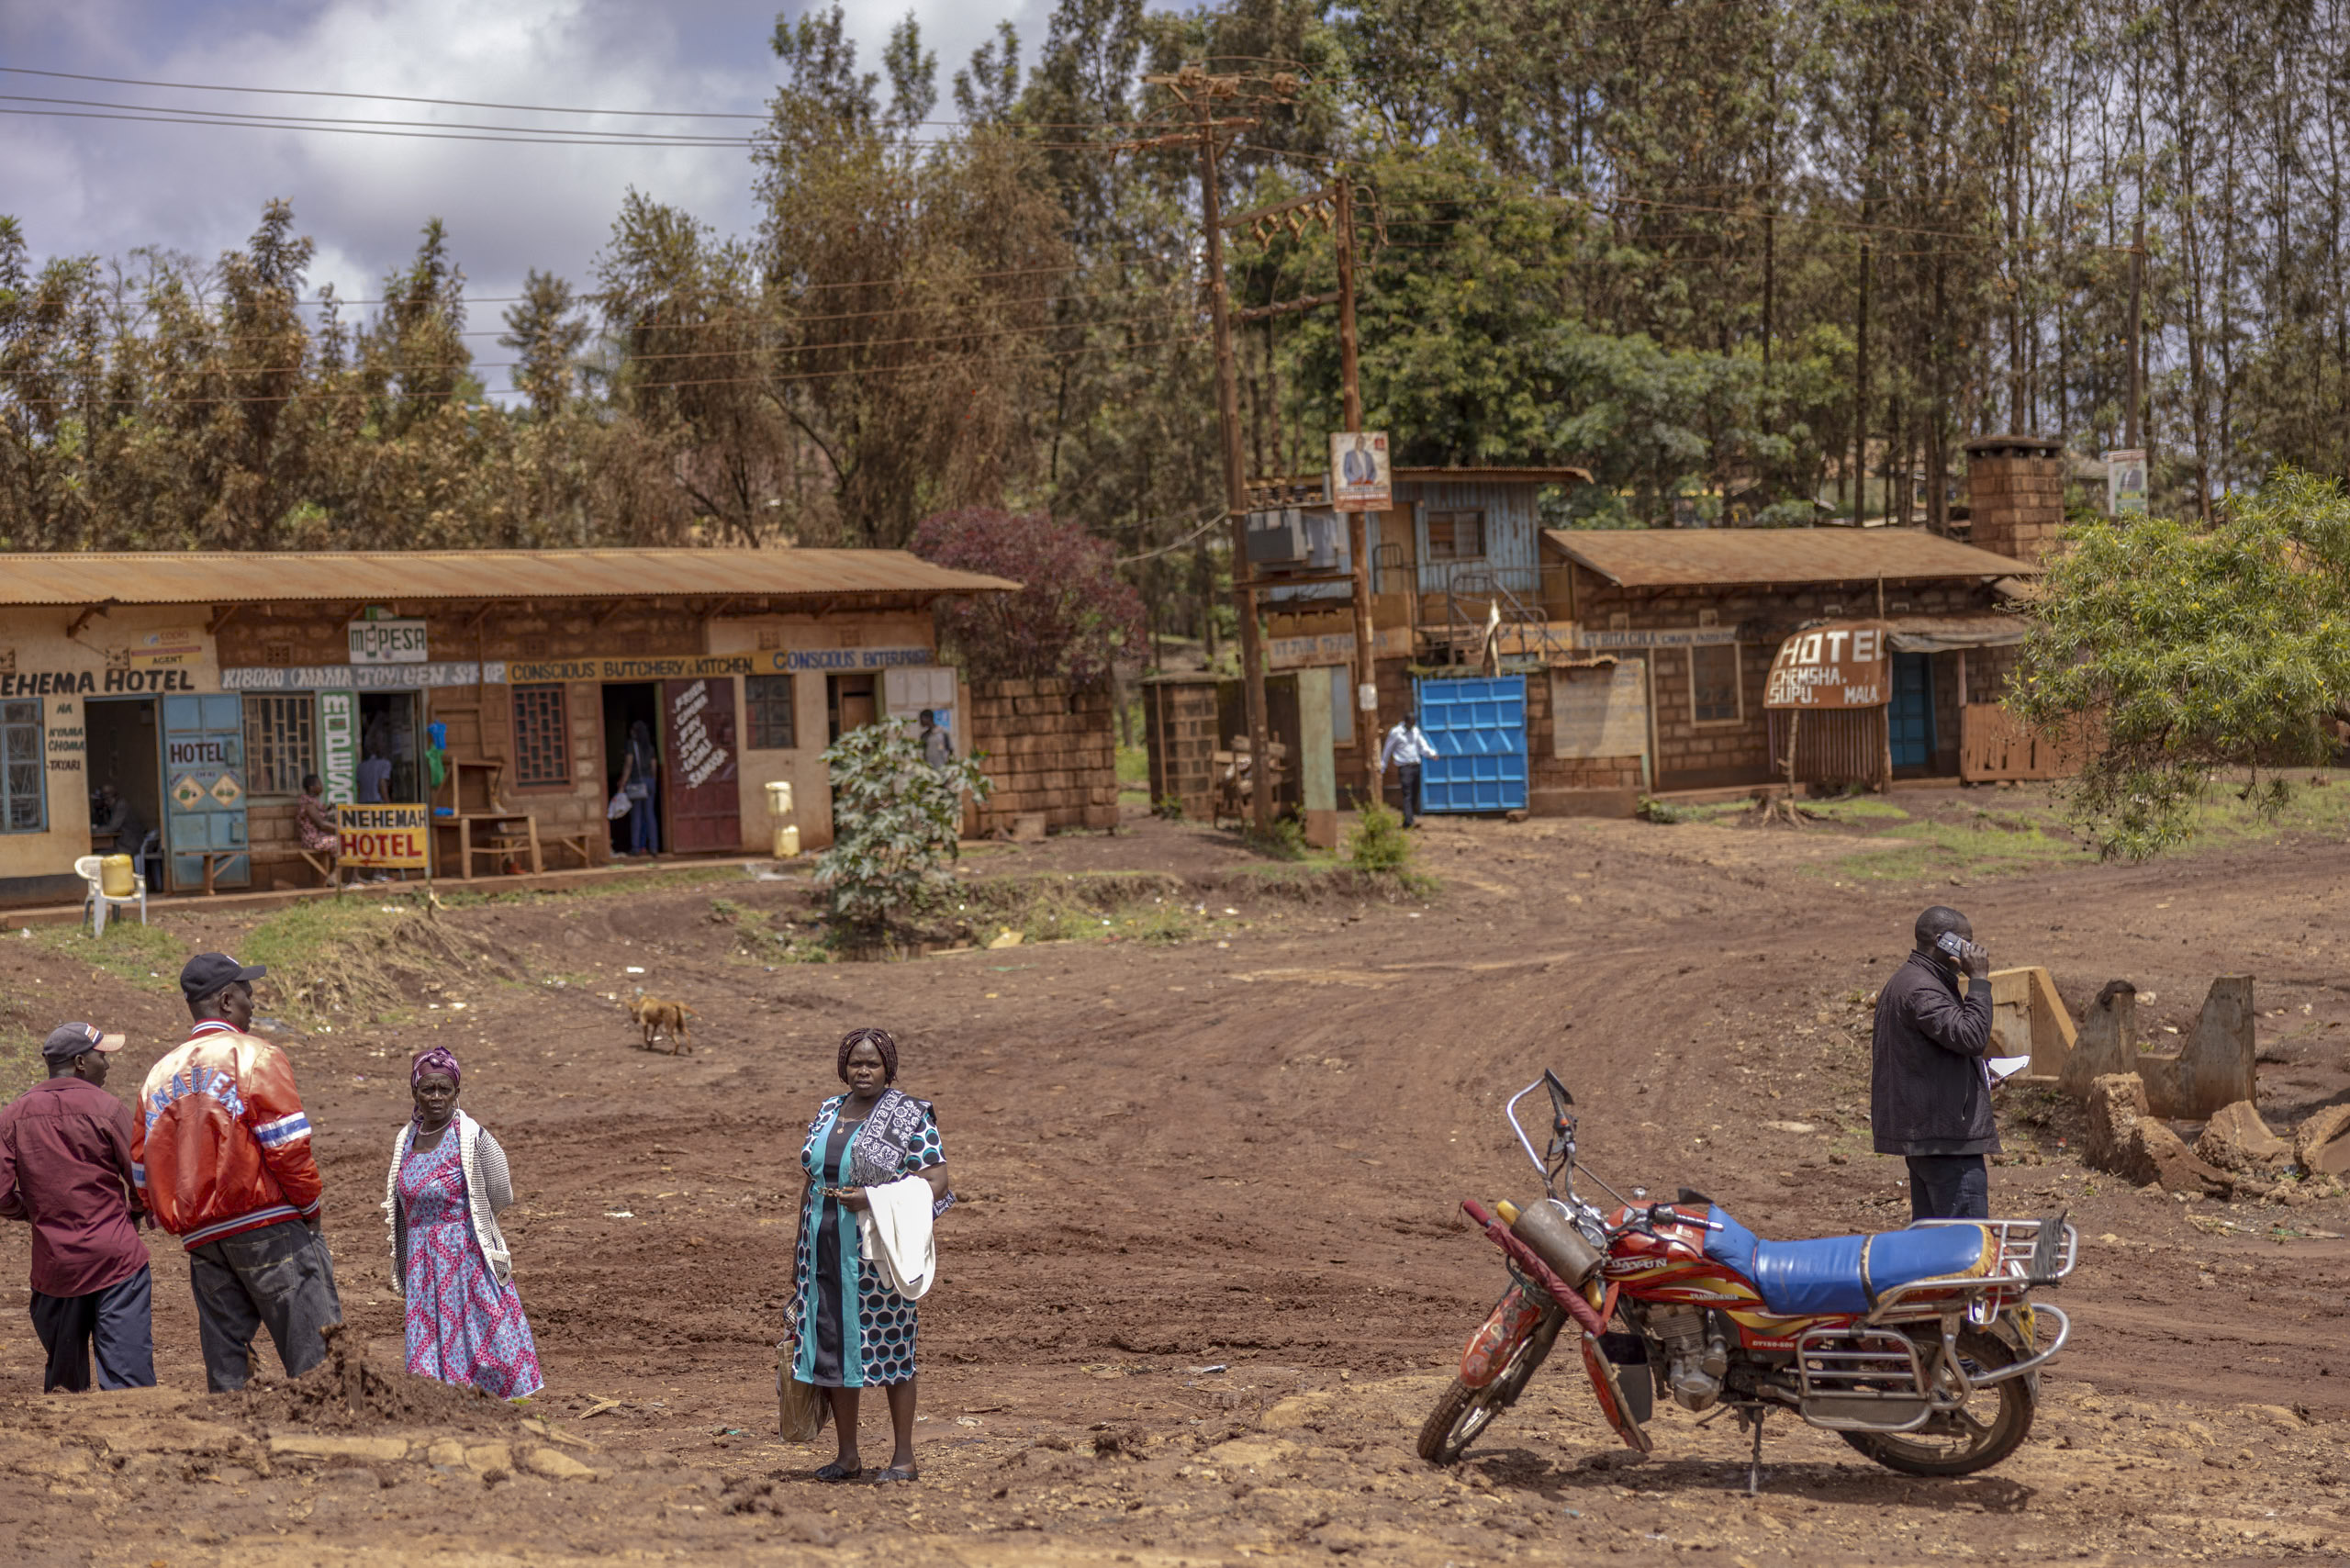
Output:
x=1839 y=666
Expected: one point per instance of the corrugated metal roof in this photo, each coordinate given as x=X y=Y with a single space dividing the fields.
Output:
x=1690 y=557
x=1940 y=633
x=1558 y=475
x=223 y=577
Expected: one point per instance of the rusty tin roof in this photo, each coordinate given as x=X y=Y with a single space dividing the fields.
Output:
x=1699 y=558
x=224 y=577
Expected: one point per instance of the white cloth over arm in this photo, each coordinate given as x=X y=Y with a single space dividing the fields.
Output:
x=896 y=1230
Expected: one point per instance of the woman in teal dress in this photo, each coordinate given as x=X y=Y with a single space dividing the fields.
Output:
x=855 y=1331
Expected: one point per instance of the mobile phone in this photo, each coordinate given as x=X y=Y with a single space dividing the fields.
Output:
x=1951 y=941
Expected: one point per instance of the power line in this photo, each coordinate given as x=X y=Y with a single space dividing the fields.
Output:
x=521 y=108
x=323 y=395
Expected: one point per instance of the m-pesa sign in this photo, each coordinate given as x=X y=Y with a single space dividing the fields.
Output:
x=1841 y=664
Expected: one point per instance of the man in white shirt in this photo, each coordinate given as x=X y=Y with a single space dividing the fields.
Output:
x=1406 y=748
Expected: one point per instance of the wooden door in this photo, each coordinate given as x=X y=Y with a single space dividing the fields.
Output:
x=698 y=765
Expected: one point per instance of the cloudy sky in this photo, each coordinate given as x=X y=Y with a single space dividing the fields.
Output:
x=103 y=186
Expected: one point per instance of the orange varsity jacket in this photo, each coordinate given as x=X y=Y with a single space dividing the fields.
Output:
x=222 y=1146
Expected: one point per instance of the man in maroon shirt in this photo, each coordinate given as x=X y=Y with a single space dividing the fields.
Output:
x=65 y=1166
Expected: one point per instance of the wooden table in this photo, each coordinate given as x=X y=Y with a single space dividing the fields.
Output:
x=494 y=833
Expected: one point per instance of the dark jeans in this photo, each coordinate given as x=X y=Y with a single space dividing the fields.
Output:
x=1411 y=772
x=1948 y=1186
x=279 y=1277
x=119 y=1319
x=643 y=825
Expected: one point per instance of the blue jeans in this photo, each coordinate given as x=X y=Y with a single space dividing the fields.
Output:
x=643 y=825
x=1948 y=1186
x=118 y=1320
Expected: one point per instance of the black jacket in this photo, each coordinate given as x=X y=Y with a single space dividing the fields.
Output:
x=1930 y=1091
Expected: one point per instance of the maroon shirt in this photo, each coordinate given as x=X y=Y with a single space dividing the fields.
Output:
x=65 y=1165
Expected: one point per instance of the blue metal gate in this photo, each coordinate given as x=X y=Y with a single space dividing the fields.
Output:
x=1478 y=728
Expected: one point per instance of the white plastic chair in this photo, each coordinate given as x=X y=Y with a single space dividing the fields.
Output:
x=94 y=903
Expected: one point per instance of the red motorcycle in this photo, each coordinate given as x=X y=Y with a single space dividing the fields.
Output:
x=1920 y=1348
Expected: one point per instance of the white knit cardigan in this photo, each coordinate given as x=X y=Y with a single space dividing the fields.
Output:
x=488 y=1190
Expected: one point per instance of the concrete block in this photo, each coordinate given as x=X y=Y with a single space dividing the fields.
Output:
x=1582 y=802
x=557 y=1466
x=303 y=1446
x=2237 y=1139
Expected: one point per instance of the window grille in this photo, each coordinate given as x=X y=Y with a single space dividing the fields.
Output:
x=541 y=737
x=281 y=742
x=769 y=698
x=24 y=783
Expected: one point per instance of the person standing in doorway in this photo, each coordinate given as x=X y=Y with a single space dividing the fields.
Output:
x=1930 y=1091
x=374 y=775
x=1407 y=747
x=66 y=1167
x=937 y=746
x=639 y=781
x=223 y=1155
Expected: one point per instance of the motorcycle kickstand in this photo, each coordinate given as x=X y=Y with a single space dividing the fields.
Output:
x=1754 y=1461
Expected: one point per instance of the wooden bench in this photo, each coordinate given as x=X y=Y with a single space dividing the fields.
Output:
x=581 y=844
x=497 y=834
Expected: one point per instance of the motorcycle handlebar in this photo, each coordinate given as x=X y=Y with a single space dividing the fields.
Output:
x=1665 y=1214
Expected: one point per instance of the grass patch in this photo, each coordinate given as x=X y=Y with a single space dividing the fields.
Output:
x=1996 y=845
x=1134 y=767
x=758 y=942
x=20 y=1063
x=148 y=957
x=1137 y=906
x=1856 y=809
x=330 y=956
x=2320 y=804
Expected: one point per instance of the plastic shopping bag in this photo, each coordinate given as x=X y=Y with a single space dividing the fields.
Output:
x=618 y=807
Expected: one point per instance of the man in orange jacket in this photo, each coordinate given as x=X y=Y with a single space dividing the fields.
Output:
x=223 y=1161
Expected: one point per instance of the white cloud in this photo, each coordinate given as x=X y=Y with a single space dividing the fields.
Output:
x=94 y=186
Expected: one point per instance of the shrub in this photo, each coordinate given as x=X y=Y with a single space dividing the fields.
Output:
x=895 y=822
x=1378 y=843
x=1072 y=612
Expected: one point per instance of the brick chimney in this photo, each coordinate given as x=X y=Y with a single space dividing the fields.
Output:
x=2015 y=494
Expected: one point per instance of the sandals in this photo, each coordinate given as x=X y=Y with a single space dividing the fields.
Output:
x=896 y=1472
x=836 y=1470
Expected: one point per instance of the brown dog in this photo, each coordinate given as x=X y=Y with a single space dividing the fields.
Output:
x=657 y=1017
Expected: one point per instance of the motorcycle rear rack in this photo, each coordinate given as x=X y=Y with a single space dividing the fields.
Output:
x=2010 y=1283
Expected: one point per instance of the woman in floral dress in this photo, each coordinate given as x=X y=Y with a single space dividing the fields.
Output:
x=447 y=1186
x=855 y=1331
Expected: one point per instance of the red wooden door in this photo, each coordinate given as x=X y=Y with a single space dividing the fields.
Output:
x=698 y=773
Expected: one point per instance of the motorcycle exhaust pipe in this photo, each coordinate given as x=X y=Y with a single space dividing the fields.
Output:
x=1553 y=1238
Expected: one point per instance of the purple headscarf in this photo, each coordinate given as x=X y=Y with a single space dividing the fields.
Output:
x=438 y=1059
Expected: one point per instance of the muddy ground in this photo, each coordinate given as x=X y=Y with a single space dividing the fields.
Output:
x=1209 y=1272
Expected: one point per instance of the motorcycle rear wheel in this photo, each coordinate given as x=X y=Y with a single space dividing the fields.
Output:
x=1990 y=1426
x=1464 y=1412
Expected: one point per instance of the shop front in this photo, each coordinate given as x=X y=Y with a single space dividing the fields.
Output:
x=506 y=692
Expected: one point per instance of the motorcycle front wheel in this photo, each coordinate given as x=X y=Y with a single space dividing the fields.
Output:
x=1464 y=1412
x=1978 y=1435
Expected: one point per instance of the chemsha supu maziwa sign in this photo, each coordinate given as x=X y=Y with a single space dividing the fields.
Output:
x=1845 y=664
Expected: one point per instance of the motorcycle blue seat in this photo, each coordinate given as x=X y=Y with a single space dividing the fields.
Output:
x=1847 y=1273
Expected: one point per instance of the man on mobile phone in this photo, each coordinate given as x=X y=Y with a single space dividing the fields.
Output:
x=1930 y=1091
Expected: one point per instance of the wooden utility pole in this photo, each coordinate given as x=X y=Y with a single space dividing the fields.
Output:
x=1236 y=482
x=1358 y=523
x=2129 y=438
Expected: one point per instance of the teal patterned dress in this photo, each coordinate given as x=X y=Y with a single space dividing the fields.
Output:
x=853 y=1330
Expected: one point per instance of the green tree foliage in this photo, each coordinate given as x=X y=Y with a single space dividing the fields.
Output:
x=1762 y=255
x=2191 y=649
x=895 y=821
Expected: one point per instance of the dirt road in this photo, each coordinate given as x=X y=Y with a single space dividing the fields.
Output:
x=1208 y=1271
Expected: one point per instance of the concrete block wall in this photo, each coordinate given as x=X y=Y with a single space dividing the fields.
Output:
x=1179 y=729
x=1050 y=747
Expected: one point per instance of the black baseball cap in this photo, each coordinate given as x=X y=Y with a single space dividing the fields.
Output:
x=208 y=973
x=70 y=1040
